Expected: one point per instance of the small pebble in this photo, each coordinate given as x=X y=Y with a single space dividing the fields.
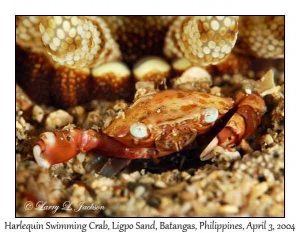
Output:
x=37 y=113
x=259 y=190
x=160 y=184
x=125 y=178
x=139 y=191
x=186 y=207
x=146 y=180
x=58 y=119
x=228 y=210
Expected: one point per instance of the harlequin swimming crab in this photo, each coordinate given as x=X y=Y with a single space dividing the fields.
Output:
x=159 y=124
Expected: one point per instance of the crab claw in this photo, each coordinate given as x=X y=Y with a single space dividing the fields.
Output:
x=62 y=145
x=56 y=147
x=207 y=153
x=231 y=135
x=240 y=126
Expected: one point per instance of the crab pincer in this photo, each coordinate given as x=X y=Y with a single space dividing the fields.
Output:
x=62 y=145
x=250 y=109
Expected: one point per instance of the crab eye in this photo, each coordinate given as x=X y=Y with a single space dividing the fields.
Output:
x=139 y=130
x=68 y=138
x=210 y=115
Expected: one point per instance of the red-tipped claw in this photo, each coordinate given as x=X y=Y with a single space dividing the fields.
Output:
x=60 y=146
x=250 y=108
x=57 y=147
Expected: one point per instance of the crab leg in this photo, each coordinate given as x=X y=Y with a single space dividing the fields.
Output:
x=60 y=146
x=107 y=166
x=250 y=108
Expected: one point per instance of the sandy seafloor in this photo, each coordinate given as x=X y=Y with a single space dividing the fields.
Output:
x=250 y=186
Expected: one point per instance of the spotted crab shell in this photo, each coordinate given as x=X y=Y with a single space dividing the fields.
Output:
x=152 y=116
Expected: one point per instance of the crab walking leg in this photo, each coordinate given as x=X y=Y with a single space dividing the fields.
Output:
x=60 y=146
x=250 y=109
x=107 y=166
